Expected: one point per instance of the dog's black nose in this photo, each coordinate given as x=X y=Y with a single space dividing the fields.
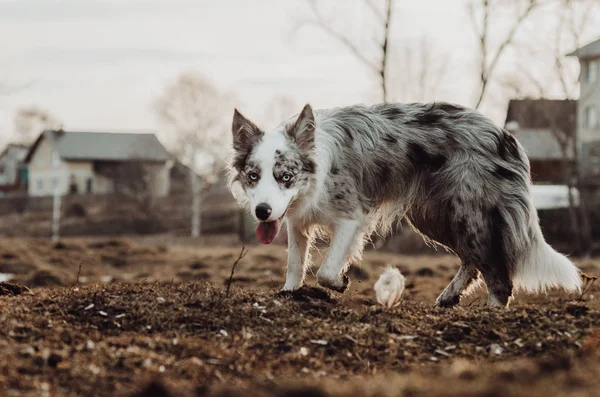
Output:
x=263 y=211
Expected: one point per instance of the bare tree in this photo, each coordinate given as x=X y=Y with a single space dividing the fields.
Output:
x=482 y=12
x=31 y=121
x=196 y=113
x=376 y=63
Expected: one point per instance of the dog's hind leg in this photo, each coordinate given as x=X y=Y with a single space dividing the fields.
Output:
x=298 y=257
x=347 y=241
x=499 y=285
x=466 y=275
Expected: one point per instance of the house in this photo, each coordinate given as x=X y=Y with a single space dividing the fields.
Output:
x=97 y=163
x=13 y=172
x=546 y=129
x=588 y=109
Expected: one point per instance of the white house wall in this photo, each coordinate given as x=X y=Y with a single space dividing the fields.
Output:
x=589 y=96
x=44 y=173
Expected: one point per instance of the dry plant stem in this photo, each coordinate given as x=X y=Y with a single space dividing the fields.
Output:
x=78 y=273
x=243 y=253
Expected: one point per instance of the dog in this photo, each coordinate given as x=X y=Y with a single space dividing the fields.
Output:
x=459 y=180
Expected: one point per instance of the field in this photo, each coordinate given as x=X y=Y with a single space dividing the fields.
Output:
x=154 y=317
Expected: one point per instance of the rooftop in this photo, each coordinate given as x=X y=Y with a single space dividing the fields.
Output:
x=104 y=146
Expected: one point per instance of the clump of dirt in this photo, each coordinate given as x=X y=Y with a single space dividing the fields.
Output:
x=44 y=278
x=13 y=289
x=109 y=244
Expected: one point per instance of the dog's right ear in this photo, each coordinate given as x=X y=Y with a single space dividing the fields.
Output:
x=303 y=130
x=245 y=132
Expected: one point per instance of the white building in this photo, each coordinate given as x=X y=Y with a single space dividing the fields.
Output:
x=97 y=163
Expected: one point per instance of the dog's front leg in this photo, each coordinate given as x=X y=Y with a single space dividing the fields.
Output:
x=298 y=250
x=345 y=241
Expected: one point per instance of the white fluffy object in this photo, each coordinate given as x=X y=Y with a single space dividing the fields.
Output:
x=389 y=287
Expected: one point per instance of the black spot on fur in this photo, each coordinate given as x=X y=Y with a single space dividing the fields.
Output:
x=497 y=267
x=383 y=173
x=436 y=114
x=388 y=138
x=508 y=148
x=335 y=170
x=391 y=112
x=438 y=229
x=449 y=107
x=339 y=196
x=504 y=173
x=420 y=158
x=428 y=118
x=308 y=165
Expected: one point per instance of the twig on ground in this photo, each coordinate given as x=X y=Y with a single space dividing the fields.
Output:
x=78 y=273
x=243 y=253
x=589 y=283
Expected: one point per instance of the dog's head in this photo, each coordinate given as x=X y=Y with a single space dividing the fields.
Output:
x=269 y=171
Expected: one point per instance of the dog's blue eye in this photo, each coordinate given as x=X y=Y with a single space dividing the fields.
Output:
x=253 y=176
x=286 y=177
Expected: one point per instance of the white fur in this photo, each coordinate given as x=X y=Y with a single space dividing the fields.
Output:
x=389 y=287
x=543 y=268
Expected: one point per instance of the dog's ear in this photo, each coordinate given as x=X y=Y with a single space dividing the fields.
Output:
x=245 y=132
x=303 y=130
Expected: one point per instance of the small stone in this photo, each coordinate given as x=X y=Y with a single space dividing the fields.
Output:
x=496 y=349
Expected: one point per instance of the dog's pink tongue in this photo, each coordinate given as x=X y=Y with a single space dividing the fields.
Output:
x=267 y=231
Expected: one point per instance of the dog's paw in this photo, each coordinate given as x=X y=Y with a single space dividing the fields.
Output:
x=292 y=286
x=447 y=301
x=339 y=285
x=285 y=293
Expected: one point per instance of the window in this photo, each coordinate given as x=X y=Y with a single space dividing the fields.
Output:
x=591 y=117
x=40 y=185
x=88 y=185
x=591 y=72
x=54 y=184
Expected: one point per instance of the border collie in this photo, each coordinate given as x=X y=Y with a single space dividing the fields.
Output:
x=345 y=173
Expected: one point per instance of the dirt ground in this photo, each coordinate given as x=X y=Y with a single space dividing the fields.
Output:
x=152 y=317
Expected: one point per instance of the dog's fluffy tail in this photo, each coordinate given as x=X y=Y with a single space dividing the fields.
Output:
x=542 y=268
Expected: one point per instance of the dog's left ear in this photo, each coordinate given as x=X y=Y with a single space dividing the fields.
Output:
x=245 y=132
x=303 y=130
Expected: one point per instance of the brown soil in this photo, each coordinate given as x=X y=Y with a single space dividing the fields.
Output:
x=155 y=320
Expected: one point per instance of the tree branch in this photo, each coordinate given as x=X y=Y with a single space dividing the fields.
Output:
x=342 y=39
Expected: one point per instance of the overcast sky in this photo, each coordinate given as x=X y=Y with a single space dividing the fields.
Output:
x=98 y=64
